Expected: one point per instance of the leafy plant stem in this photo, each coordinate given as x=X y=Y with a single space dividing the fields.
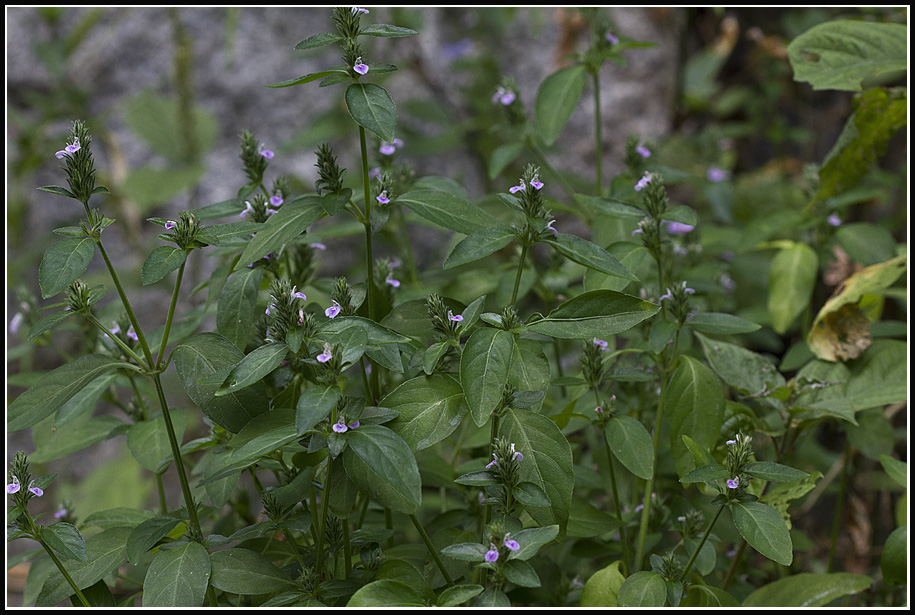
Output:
x=837 y=515
x=171 y=315
x=295 y=547
x=432 y=549
x=369 y=269
x=36 y=534
x=598 y=143
x=649 y=486
x=627 y=557
x=325 y=499
x=705 y=535
x=524 y=249
x=127 y=350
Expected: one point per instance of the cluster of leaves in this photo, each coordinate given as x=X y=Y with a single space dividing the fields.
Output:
x=433 y=427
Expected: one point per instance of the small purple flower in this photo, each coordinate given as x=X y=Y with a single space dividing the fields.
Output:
x=646 y=179
x=727 y=282
x=393 y=282
x=516 y=455
x=35 y=490
x=491 y=555
x=354 y=424
x=714 y=174
x=170 y=224
x=13 y=487
x=679 y=228
x=270 y=211
x=340 y=426
x=515 y=189
x=666 y=295
x=16 y=322
x=359 y=67
x=613 y=40
x=60 y=513
x=536 y=183
x=637 y=231
x=389 y=148
x=333 y=310
x=510 y=543
x=276 y=200
x=325 y=356
x=72 y=148
x=359 y=9
x=599 y=410
x=730 y=442
x=301 y=320
x=454 y=318
x=297 y=294
x=733 y=483
x=247 y=210
x=492 y=463
x=503 y=96
x=457 y=49
x=605 y=346
x=267 y=311
x=643 y=151
x=383 y=198
x=132 y=334
x=834 y=220
x=549 y=227
x=318 y=246
x=688 y=290
x=266 y=153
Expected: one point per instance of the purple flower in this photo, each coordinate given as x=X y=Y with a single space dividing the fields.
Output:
x=170 y=224
x=318 y=246
x=340 y=426
x=714 y=174
x=549 y=227
x=383 y=198
x=247 y=210
x=132 y=334
x=13 y=487
x=679 y=228
x=834 y=220
x=601 y=344
x=72 y=148
x=301 y=317
x=393 y=282
x=516 y=455
x=36 y=490
x=727 y=282
x=599 y=410
x=643 y=151
x=325 y=356
x=666 y=295
x=270 y=211
x=536 y=183
x=60 y=513
x=730 y=442
x=491 y=555
x=333 y=310
x=354 y=424
x=510 y=544
x=359 y=9
x=359 y=67
x=492 y=463
x=613 y=40
x=733 y=483
x=454 y=318
x=16 y=322
x=267 y=311
x=646 y=179
x=115 y=329
x=503 y=96
x=276 y=200
x=298 y=294
x=515 y=189
x=266 y=153
x=389 y=148
x=457 y=49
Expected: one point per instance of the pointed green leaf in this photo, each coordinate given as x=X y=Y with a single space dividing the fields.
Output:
x=478 y=245
x=590 y=255
x=235 y=311
x=764 y=529
x=149 y=443
x=597 y=313
x=771 y=471
x=695 y=403
x=49 y=322
x=177 y=577
x=292 y=219
x=557 y=98
x=807 y=589
x=447 y=210
x=104 y=553
x=65 y=539
x=791 y=279
x=145 y=536
x=63 y=263
x=314 y=404
x=386 y=31
x=430 y=408
x=385 y=593
x=309 y=77
x=602 y=588
x=254 y=367
x=748 y=372
x=521 y=573
x=319 y=40
x=484 y=371
x=720 y=323
x=631 y=444
x=246 y=572
x=503 y=156
x=160 y=262
x=58 y=190
x=371 y=107
x=893 y=560
x=457 y=595
x=382 y=464
x=531 y=540
x=643 y=589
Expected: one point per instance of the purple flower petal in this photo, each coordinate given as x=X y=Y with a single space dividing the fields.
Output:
x=170 y=224
x=276 y=200
x=393 y=282
x=679 y=228
x=360 y=68
x=333 y=310
x=834 y=220
x=643 y=151
x=733 y=483
x=387 y=148
x=511 y=544
x=454 y=318
x=268 y=154
x=646 y=179
x=714 y=174
x=515 y=189
x=491 y=555
x=354 y=425
x=613 y=40
x=340 y=426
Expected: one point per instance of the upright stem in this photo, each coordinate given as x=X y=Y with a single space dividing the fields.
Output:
x=616 y=502
x=649 y=486
x=837 y=516
x=319 y=562
x=171 y=316
x=369 y=261
x=708 y=531
x=347 y=548
x=524 y=249
x=598 y=142
x=63 y=571
x=432 y=551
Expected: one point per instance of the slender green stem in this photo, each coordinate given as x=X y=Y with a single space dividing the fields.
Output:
x=649 y=486
x=627 y=557
x=295 y=547
x=837 y=515
x=598 y=143
x=734 y=561
x=60 y=566
x=171 y=315
x=432 y=550
x=705 y=536
x=389 y=525
x=524 y=249
x=369 y=261
x=127 y=350
x=313 y=509
x=325 y=497
x=347 y=549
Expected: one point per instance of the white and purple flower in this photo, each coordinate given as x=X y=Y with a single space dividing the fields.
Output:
x=360 y=67
x=71 y=148
x=327 y=355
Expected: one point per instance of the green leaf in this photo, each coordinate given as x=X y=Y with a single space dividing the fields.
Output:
x=477 y=245
x=177 y=577
x=842 y=54
x=385 y=593
x=235 y=312
x=246 y=572
x=254 y=367
x=780 y=496
x=382 y=464
x=529 y=494
x=160 y=262
x=457 y=595
x=148 y=441
x=372 y=108
x=492 y=598
x=54 y=389
x=262 y=435
x=598 y=313
x=466 y=551
x=705 y=474
x=791 y=279
x=104 y=553
x=146 y=535
x=314 y=404
x=521 y=573
x=319 y=40
x=865 y=243
x=310 y=77
x=547 y=462
x=643 y=589
x=63 y=263
x=503 y=156
x=631 y=444
x=429 y=409
x=78 y=434
x=874 y=435
x=894 y=557
x=806 y=589
x=590 y=255
x=602 y=588
x=764 y=529
x=385 y=31
x=775 y=472
x=485 y=362
x=49 y=322
x=531 y=540
x=292 y=219
x=695 y=402
x=721 y=323
x=65 y=539
x=150 y=187
x=197 y=361
x=748 y=372
x=897 y=470
x=60 y=190
x=557 y=98
x=708 y=596
x=447 y=210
